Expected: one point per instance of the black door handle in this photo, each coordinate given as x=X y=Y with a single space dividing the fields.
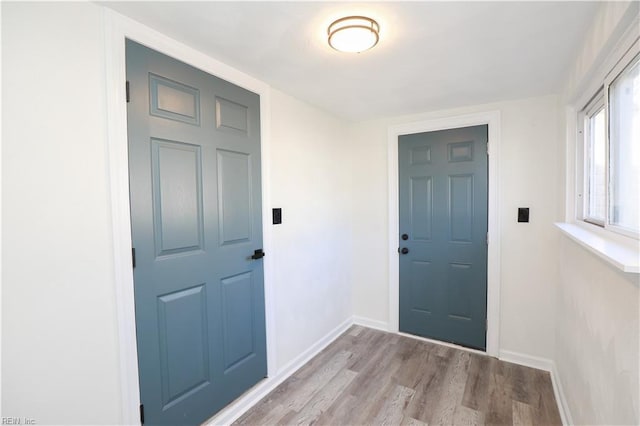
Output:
x=405 y=237
x=257 y=254
x=403 y=250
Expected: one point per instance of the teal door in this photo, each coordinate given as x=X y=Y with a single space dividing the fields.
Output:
x=194 y=166
x=443 y=235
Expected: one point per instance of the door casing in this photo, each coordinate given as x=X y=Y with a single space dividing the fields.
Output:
x=117 y=29
x=492 y=119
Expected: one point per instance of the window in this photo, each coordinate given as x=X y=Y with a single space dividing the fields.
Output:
x=624 y=151
x=595 y=135
x=610 y=128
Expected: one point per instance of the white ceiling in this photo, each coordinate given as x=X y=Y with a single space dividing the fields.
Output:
x=431 y=55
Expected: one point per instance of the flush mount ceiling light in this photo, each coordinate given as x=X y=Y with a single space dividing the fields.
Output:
x=353 y=34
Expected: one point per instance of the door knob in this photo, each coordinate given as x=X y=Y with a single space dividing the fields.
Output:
x=405 y=237
x=403 y=250
x=257 y=254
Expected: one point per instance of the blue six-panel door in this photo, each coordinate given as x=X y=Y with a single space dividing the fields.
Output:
x=194 y=165
x=443 y=229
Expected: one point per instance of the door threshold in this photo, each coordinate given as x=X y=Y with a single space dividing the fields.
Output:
x=441 y=343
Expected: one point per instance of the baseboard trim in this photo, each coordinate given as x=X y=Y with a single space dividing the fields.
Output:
x=546 y=365
x=526 y=360
x=371 y=323
x=240 y=406
x=563 y=405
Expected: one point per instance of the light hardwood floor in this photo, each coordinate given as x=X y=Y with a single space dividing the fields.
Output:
x=368 y=377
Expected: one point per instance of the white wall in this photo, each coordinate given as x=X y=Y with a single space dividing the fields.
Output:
x=311 y=182
x=59 y=328
x=597 y=338
x=598 y=307
x=370 y=215
x=59 y=342
x=528 y=178
x=609 y=23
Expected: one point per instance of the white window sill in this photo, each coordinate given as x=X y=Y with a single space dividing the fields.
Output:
x=624 y=256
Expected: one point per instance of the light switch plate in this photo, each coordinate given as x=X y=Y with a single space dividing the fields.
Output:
x=523 y=214
x=277 y=216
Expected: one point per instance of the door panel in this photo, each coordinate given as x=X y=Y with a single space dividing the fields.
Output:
x=232 y=117
x=422 y=297
x=173 y=100
x=234 y=196
x=443 y=211
x=421 y=207
x=238 y=319
x=177 y=197
x=461 y=207
x=194 y=166
x=184 y=357
x=459 y=278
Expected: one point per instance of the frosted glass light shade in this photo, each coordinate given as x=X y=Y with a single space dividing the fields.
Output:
x=353 y=34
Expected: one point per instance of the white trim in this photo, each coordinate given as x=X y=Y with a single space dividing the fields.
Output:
x=596 y=105
x=117 y=28
x=240 y=406
x=371 y=323
x=546 y=365
x=120 y=220
x=561 y=399
x=623 y=255
x=526 y=360
x=573 y=182
x=492 y=119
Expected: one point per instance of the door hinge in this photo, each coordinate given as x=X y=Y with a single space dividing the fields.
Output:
x=487 y=239
x=486 y=324
x=133 y=257
x=141 y=414
x=128 y=94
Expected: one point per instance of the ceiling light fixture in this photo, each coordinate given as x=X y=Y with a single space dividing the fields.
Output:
x=353 y=34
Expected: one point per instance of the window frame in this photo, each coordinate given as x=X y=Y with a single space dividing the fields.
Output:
x=600 y=99
x=595 y=105
x=630 y=58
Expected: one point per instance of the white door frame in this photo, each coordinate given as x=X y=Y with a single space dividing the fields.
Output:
x=492 y=119
x=117 y=29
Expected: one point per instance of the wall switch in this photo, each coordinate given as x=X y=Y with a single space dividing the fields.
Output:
x=523 y=214
x=277 y=216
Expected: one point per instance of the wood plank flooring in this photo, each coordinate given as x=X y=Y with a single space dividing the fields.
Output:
x=368 y=377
